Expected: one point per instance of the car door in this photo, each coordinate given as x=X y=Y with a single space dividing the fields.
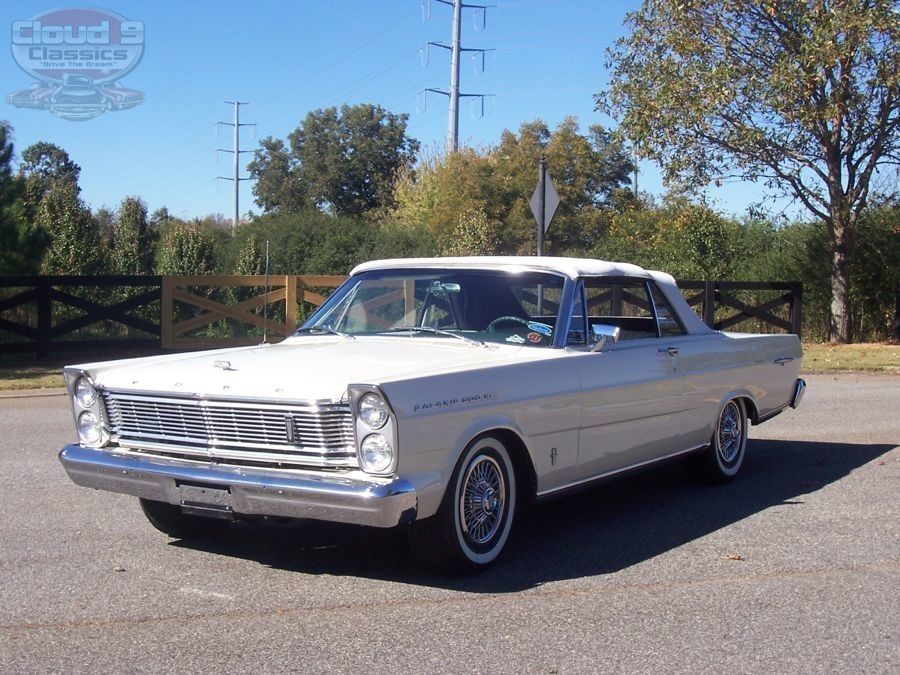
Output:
x=631 y=390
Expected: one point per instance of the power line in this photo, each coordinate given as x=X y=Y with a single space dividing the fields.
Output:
x=237 y=154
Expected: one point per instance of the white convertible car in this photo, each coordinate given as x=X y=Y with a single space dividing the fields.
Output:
x=436 y=394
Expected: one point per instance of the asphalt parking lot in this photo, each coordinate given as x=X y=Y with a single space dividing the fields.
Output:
x=793 y=568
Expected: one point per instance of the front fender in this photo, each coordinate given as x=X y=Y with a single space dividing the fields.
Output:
x=432 y=491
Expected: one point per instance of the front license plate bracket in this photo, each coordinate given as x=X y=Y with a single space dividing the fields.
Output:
x=205 y=498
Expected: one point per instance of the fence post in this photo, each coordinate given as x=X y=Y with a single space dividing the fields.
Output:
x=165 y=313
x=709 y=303
x=796 y=307
x=290 y=304
x=44 y=318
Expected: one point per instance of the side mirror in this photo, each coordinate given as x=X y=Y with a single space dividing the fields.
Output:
x=603 y=332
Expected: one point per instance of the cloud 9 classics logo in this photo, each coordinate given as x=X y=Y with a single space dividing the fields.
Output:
x=77 y=57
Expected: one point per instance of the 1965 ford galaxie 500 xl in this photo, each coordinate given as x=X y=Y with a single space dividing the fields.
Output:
x=436 y=394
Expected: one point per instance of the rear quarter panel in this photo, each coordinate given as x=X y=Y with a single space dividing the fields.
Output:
x=721 y=366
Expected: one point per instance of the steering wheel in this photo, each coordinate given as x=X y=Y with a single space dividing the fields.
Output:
x=508 y=319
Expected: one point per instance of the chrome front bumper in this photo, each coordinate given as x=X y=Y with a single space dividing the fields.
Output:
x=245 y=490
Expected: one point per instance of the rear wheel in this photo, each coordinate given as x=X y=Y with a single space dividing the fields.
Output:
x=471 y=527
x=171 y=520
x=722 y=460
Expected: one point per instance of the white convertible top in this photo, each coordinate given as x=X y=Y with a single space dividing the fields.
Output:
x=570 y=267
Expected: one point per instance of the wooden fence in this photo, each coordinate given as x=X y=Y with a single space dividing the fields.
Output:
x=721 y=309
x=288 y=292
x=45 y=314
x=41 y=314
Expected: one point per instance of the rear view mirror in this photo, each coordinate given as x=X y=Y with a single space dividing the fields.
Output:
x=603 y=332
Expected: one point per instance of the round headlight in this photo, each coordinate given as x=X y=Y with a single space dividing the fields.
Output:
x=373 y=411
x=89 y=428
x=376 y=453
x=85 y=394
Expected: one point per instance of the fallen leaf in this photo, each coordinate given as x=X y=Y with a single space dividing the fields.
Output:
x=732 y=556
x=118 y=568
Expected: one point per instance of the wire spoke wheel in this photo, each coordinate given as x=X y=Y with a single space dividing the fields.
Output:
x=472 y=525
x=483 y=500
x=722 y=459
x=730 y=433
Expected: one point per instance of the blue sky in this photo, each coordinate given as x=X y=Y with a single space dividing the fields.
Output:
x=287 y=58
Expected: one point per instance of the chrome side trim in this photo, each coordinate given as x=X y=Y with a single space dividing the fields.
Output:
x=630 y=467
x=344 y=498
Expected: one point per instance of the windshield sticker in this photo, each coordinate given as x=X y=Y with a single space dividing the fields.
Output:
x=518 y=339
x=534 y=337
x=541 y=328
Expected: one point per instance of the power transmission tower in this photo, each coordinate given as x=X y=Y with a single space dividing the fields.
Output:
x=237 y=153
x=455 y=49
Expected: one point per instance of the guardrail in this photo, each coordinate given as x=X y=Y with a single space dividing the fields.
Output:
x=45 y=314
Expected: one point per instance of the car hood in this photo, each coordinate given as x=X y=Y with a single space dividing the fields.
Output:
x=309 y=368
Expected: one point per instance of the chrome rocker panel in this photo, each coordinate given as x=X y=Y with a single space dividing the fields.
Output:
x=250 y=491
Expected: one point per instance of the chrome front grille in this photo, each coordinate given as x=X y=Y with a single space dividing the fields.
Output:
x=233 y=431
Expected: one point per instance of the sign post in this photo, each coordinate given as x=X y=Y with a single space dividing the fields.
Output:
x=544 y=202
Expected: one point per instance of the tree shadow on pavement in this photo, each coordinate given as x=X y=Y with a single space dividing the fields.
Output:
x=603 y=530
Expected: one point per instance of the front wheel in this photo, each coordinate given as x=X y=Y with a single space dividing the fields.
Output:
x=722 y=460
x=471 y=527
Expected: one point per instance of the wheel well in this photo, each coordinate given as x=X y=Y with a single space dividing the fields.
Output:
x=525 y=474
x=750 y=407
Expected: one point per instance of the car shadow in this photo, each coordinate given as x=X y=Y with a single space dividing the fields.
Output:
x=599 y=531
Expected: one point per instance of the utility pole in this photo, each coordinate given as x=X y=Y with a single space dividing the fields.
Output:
x=236 y=178
x=453 y=112
x=455 y=48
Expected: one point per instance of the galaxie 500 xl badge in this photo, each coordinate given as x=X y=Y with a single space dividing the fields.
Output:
x=449 y=402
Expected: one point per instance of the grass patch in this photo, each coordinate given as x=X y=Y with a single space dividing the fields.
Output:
x=866 y=357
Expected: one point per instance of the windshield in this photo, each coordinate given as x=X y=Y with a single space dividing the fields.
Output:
x=485 y=306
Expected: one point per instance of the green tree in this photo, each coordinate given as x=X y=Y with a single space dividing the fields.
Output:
x=74 y=240
x=473 y=235
x=586 y=170
x=185 y=248
x=251 y=258
x=801 y=94
x=44 y=164
x=498 y=182
x=21 y=245
x=160 y=217
x=130 y=250
x=346 y=162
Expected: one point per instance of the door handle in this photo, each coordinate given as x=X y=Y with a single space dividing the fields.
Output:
x=671 y=351
x=781 y=360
